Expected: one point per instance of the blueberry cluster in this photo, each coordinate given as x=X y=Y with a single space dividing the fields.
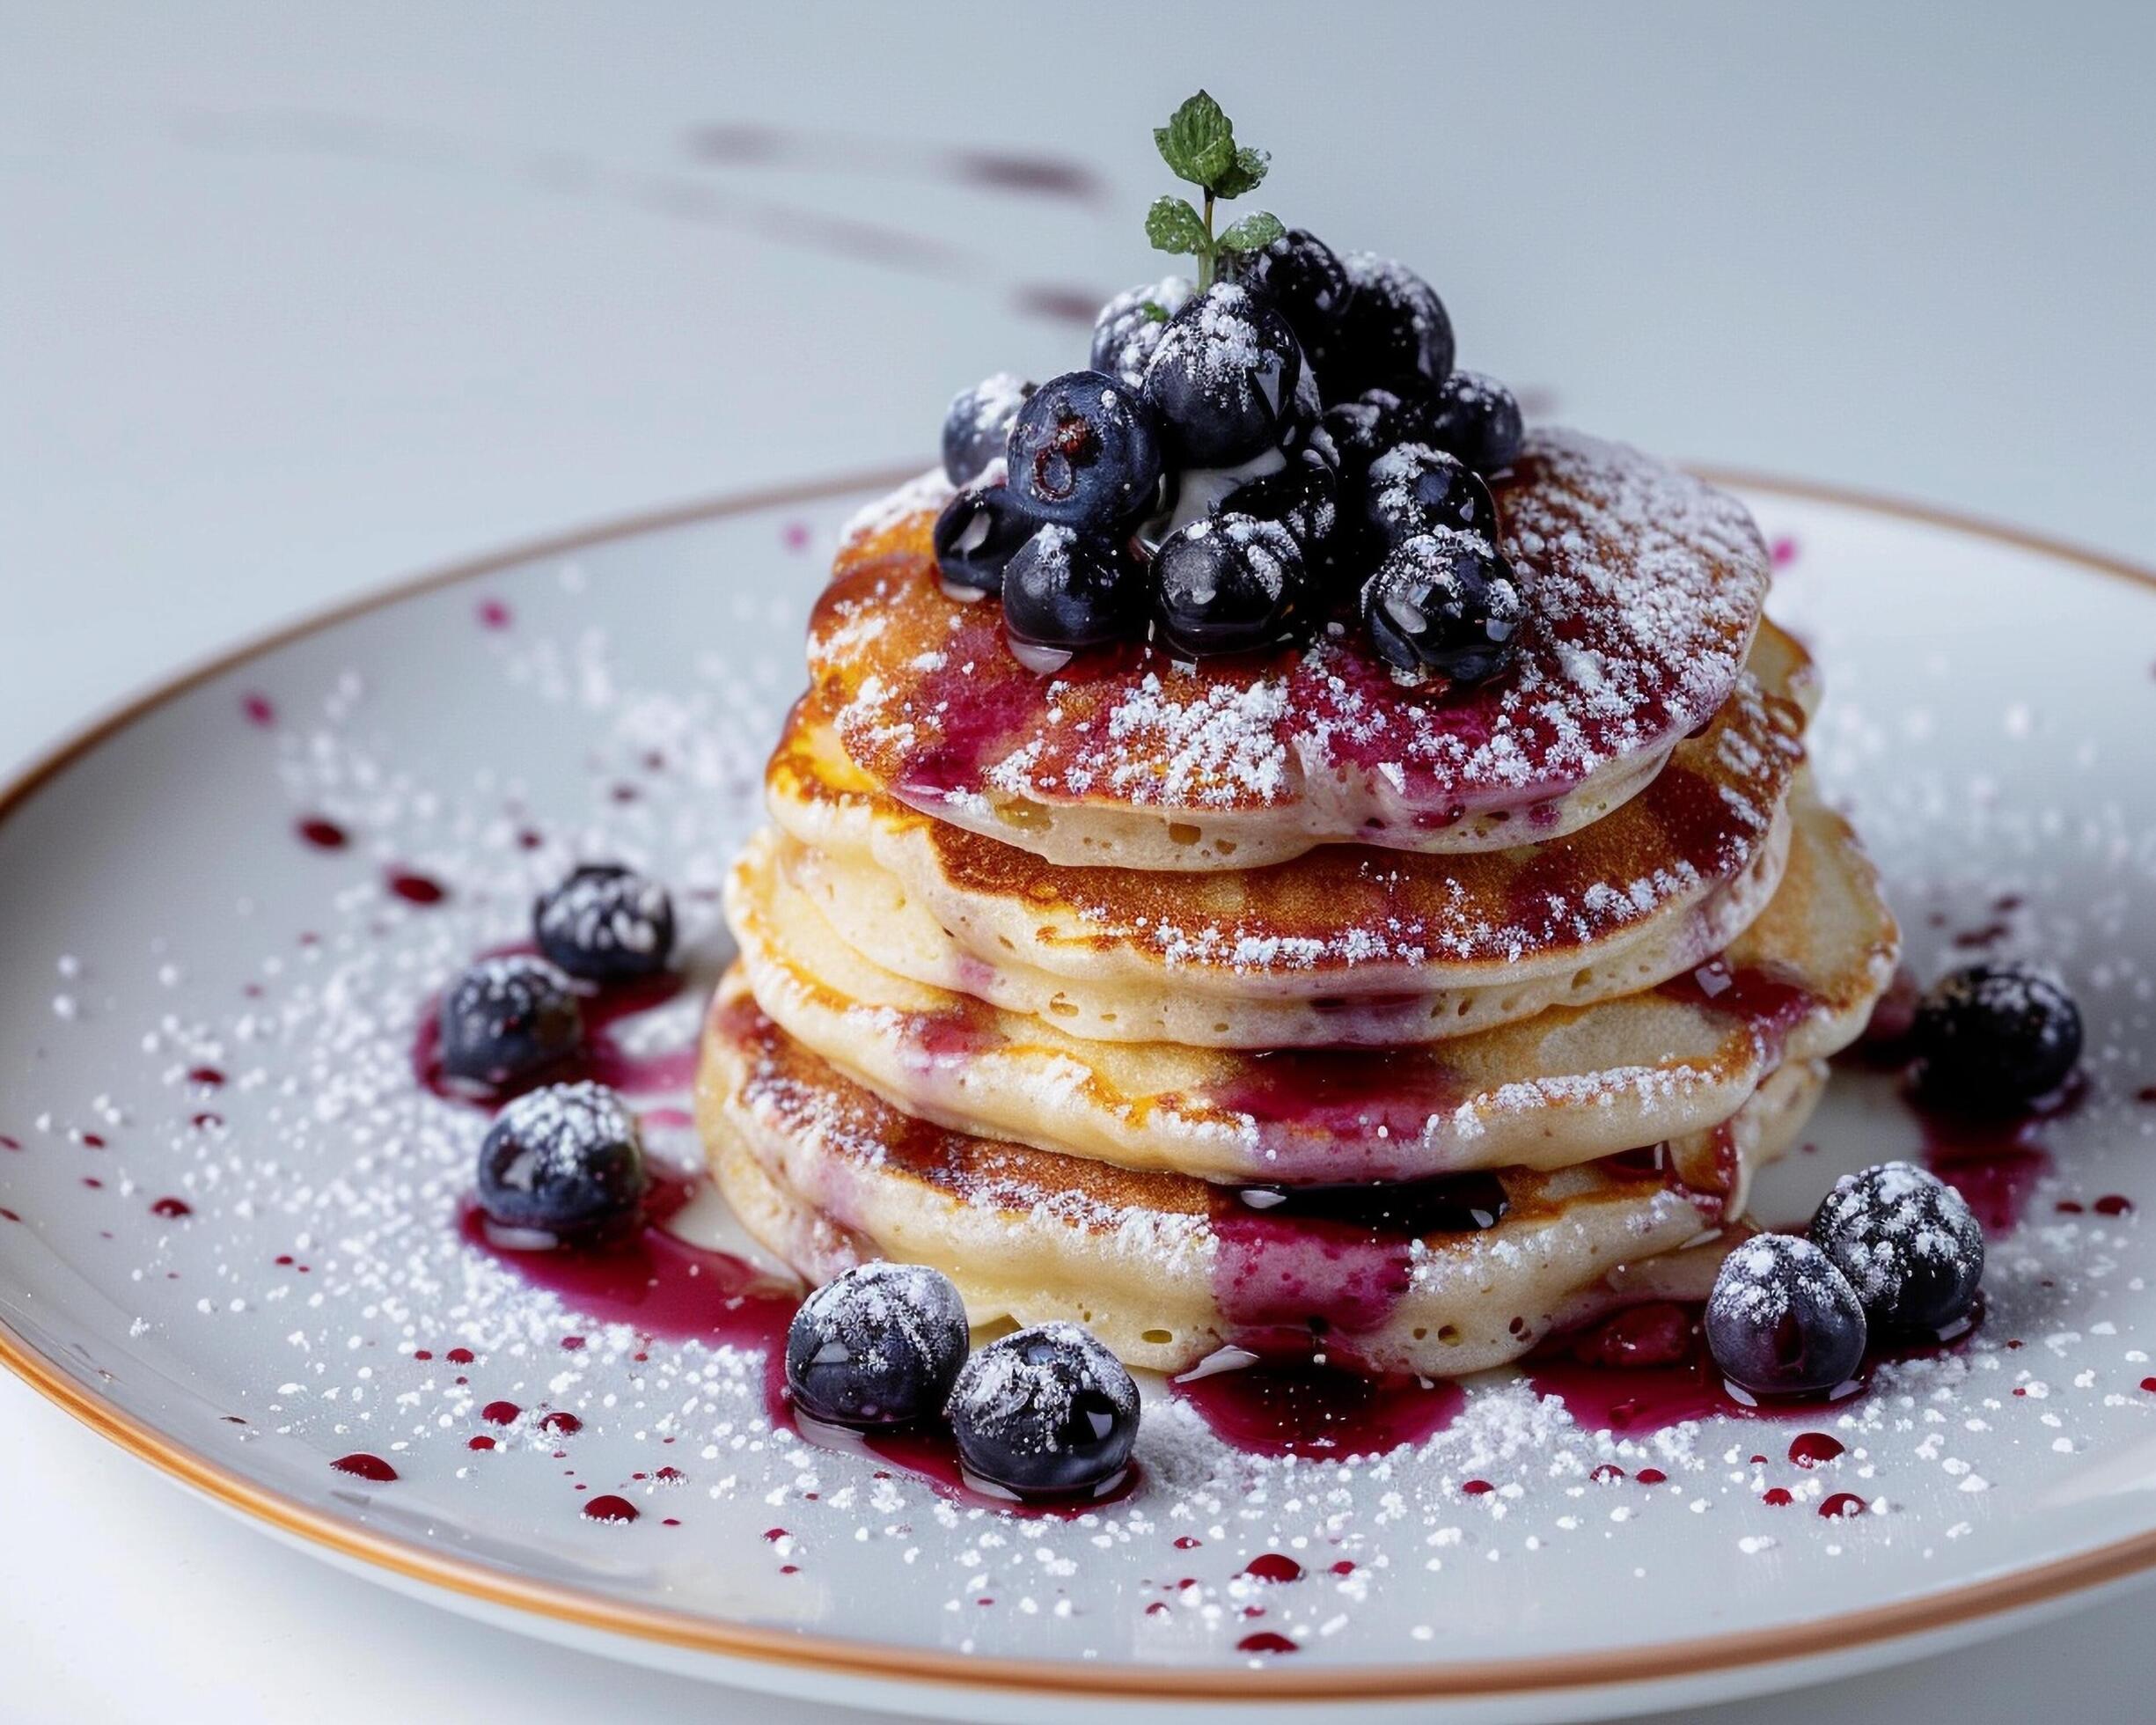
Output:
x=1893 y=1251
x=1243 y=463
x=1045 y=1412
x=565 y=1160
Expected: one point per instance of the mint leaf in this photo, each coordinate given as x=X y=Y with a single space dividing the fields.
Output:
x=1243 y=175
x=1252 y=233
x=1172 y=225
x=1198 y=143
x=1153 y=312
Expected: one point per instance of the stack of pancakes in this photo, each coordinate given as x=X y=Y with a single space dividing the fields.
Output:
x=1273 y=1002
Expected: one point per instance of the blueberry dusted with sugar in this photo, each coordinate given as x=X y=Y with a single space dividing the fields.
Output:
x=975 y=537
x=1782 y=1320
x=1412 y=489
x=1224 y=381
x=606 y=923
x=1365 y=427
x=978 y=425
x=1995 y=1035
x=1299 y=273
x=1225 y=584
x=1304 y=496
x=565 y=1160
x=1476 y=418
x=1046 y=1412
x=1393 y=335
x=1063 y=590
x=1444 y=604
x=1130 y=327
x=879 y=1345
x=507 y=1019
x=1084 y=453
x=1908 y=1243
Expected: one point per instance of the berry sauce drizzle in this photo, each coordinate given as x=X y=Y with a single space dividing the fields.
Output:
x=1772 y=1004
x=1285 y=1406
x=1994 y=1159
x=1647 y=1367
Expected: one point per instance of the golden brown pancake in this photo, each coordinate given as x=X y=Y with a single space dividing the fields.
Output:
x=1644 y=585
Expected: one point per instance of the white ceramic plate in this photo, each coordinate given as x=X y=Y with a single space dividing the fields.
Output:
x=1989 y=702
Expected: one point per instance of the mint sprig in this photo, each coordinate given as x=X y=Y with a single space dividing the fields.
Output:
x=1198 y=144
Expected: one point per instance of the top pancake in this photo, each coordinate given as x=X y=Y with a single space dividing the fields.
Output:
x=1643 y=587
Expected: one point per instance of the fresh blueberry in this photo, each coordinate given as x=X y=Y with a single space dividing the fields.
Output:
x=1130 y=325
x=1907 y=1240
x=1412 y=489
x=1995 y=1035
x=1225 y=584
x=1365 y=427
x=606 y=923
x=1299 y=274
x=978 y=425
x=1084 y=453
x=1047 y=1410
x=1476 y=418
x=1393 y=335
x=975 y=536
x=1063 y=590
x=1782 y=1320
x=879 y=1345
x=565 y=1160
x=1224 y=380
x=1304 y=496
x=1444 y=603
x=507 y=1019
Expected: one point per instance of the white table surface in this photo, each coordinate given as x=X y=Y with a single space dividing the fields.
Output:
x=296 y=298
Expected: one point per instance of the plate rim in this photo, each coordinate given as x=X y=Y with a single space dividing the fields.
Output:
x=1989 y=1596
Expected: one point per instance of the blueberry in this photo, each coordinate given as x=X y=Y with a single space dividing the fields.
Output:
x=1299 y=274
x=1995 y=1035
x=1063 y=590
x=1907 y=1240
x=1782 y=1320
x=606 y=923
x=1394 y=334
x=978 y=425
x=1365 y=427
x=507 y=1019
x=879 y=1345
x=1444 y=603
x=1130 y=325
x=1225 y=584
x=565 y=1160
x=1045 y=1411
x=1412 y=489
x=1224 y=380
x=1084 y=453
x=1304 y=496
x=1476 y=418
x=975 y=536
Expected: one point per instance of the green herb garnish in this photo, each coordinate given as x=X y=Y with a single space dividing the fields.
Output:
x=1198 y=144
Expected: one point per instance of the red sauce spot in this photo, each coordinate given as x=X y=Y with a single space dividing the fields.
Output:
x=1344 y=1567
x=2112 y=1205
x=1842 y=1506
x=416 y=889
x=206 y=1076
x=1811 y=1449
x=1784 y=551
x=776 y=1534
x=1608 y=1474
x=1187 y=1543
x=93 y=1140
x=670 y=1476
x=1776 y=1497
x=1266 y=1641
x=1650 y=1476
x=322 y=835
x=360 y=1465
x=499 y=1412
x=1158 y=1608
x=172 y=1208
x=574 y=1344
x=417 y=1353
x=562 y=1424
x=1476 y=1488
x=493 y=614
x=1273 y=1566
x=205 y=1121
x=258 y=710
x=610 y=1508
x=482 y=1442
x=10 y=1215
x=460 y=1357
x=794 y=536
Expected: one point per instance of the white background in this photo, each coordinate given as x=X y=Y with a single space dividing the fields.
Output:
x=296 y=298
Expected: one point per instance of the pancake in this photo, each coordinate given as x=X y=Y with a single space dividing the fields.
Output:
x=1164 y=1268
x=1567 y=1086
x=1644 y=586
x=1346 y=944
